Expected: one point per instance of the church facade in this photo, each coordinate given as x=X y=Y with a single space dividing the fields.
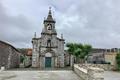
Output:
x=48 y=50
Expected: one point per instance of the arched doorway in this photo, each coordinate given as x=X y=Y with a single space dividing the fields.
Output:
x=48 y=60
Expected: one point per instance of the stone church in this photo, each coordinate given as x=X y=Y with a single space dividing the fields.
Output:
x=48 y=50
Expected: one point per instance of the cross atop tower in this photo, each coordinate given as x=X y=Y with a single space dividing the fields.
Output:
x=49 y=11
x=49 y=8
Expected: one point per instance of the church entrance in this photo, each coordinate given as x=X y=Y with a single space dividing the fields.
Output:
x=47 y=62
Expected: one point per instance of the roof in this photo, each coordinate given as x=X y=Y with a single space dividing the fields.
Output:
x=60 y=39
x=98 y=50
x=29 y=52
x=49 y=17
x=26 y=51
x=9 y=45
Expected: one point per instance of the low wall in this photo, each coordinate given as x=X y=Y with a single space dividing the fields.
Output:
x=81 y=72
x=90 y=73
x=106 y=67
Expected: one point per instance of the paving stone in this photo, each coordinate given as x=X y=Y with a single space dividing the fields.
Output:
x=38 y=75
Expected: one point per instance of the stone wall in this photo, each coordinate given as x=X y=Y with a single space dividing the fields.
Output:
x=13 y=58
x=89 y=73
x=106 y=67
x=81 y=72
x=4 y=50
x=9 y=56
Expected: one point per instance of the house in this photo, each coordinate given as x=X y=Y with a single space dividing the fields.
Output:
x=110 y=57
x=9 y=56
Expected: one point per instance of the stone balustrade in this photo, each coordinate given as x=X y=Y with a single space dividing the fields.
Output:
x=89 y=73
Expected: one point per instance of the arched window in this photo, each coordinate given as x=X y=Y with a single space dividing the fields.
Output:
x=49 y=27
x=48 y=43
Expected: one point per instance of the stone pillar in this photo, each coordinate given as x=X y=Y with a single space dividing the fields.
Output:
x=71 y=60
x=56 y=62
x=52 y=62
x=95 y=73
x=42 y=62
x=62 y=60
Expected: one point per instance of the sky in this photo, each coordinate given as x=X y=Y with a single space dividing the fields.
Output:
x=95 y=22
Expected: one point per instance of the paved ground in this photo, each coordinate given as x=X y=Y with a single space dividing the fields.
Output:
x=109 y=75
x=50 y=75
x=38 y=75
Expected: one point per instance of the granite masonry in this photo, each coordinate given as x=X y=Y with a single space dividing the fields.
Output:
x=48 y=50
x=9 y=56
x=89 y=73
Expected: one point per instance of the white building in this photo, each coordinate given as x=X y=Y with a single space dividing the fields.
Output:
x=48 y=50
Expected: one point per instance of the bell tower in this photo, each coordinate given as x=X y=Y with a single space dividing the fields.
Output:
x=49 y=24
x=48 y=50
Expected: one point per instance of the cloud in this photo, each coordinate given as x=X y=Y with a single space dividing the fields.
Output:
x=15 y=29
x=87 y=21
x=97 y=23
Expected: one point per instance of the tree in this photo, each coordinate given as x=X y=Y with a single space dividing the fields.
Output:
x=85 y=50
x=118 y=61
x=21 y=59
x=71 y=48
x=79 y=50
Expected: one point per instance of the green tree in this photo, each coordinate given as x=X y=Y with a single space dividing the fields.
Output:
x=71 y=48
x=118 y=61
x=21 y=58
x=85 y=50
x=79 y=50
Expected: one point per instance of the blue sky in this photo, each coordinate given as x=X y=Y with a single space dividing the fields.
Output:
x=95 y=22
